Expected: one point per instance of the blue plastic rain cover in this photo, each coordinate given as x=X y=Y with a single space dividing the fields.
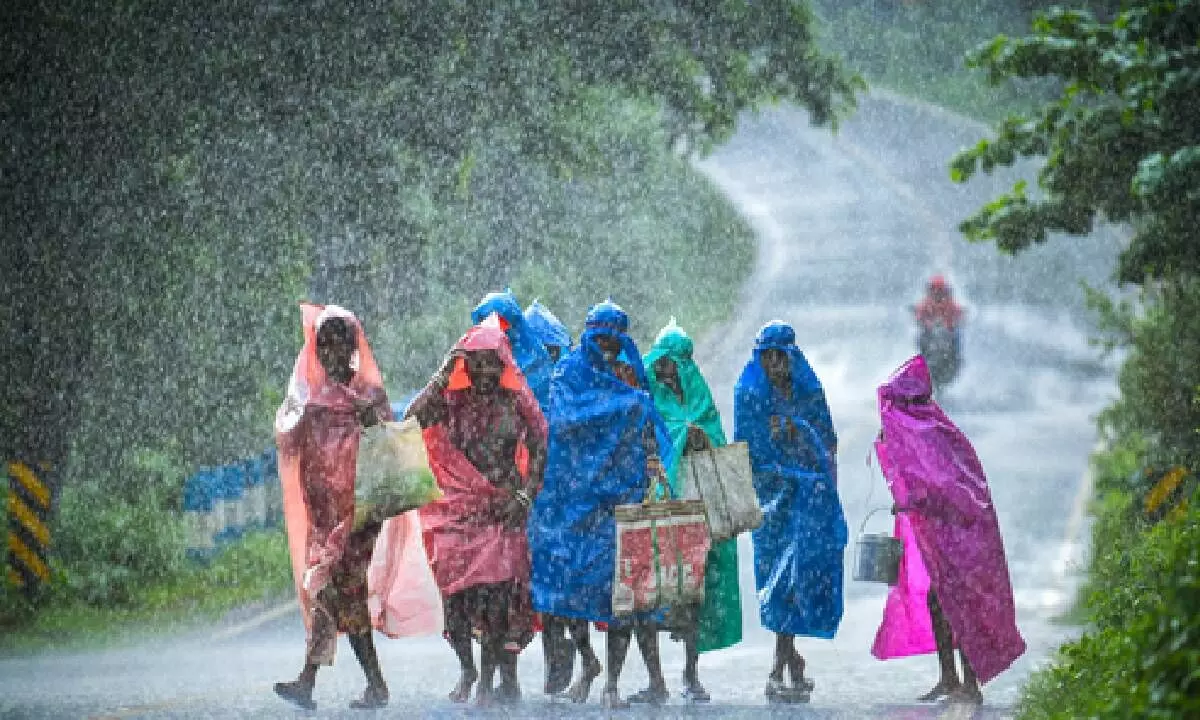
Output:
x=798 y=550
x=597 y=460
x=548 y=328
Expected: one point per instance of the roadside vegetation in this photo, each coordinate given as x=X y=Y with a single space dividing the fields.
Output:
x=1121 y=144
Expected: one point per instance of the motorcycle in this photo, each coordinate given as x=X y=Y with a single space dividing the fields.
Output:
x=939 y=344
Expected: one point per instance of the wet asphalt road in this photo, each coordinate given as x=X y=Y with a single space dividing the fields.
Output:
x=849 y=226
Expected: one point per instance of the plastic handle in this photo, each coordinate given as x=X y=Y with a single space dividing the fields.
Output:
x=868 y=517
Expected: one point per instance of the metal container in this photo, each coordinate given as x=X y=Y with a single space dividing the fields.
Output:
x=876 y=556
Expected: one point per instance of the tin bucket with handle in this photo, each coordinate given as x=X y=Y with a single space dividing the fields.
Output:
x=876 y=556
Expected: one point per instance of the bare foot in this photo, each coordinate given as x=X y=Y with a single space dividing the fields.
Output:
x=484 y=698
x=964 y=695
x=375 y=696
x=509 y=693
x=462 y=691
x=297 y=693
x=611 y=700
x=583 y=686
x=941 y=689
x=650 y=696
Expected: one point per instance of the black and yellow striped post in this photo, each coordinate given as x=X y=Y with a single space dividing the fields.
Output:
x=28 y=543
x=1168 y=497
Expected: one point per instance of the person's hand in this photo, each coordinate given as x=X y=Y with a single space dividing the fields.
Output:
x=697 y=439
x=776 y=424
x=514 y=513
x=654 y=466
x=442 y=376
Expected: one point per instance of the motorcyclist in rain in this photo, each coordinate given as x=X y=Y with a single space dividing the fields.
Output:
x=938 y=312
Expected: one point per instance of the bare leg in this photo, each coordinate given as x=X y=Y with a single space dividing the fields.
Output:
x=944 y=636
x=784 y=649
x=796 y=665
x=693 y=691
x=489 y=659
x=559 y=652
x=786 y=657
x=376 y=694
x=968 y=692
x=320 y=647
x=591 y=664
x=461 y=643
x=618 y=648
x=510 y=687
x=647 y=640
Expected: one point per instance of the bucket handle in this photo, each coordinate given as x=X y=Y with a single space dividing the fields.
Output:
x=863 y=526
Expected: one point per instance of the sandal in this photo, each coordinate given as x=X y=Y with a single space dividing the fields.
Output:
x=508 y=693
x=696 y=695
x=578 y=693
x=778 y=692
x=940 y=690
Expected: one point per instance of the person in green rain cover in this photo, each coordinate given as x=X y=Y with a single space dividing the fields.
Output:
x=685 y=402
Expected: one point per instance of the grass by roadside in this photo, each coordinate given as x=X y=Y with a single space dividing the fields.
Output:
x=252 y=572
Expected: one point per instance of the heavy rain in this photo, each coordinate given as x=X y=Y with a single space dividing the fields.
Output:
x=808 y=358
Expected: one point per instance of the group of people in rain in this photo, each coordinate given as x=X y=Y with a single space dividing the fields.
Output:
x=534 y=440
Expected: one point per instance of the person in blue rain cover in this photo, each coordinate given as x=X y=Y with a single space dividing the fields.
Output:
x=781 y=412
x=558 y=647
x=549 y=329
x=606 y=439
x=532 y=359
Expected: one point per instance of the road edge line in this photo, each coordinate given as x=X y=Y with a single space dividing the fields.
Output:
x=258 y=620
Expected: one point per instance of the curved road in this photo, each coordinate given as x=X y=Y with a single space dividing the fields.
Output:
x=849 y=226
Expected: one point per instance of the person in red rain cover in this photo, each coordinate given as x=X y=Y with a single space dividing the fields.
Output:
x=938 y=306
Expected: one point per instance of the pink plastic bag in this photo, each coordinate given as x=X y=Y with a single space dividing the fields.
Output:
x=402 y=597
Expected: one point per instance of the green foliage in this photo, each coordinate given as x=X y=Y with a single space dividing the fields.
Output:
x=1159 y=378
x=918 y=49
x=1140 y=655
x=250 y=572
x=1120 y=141
x=111 y=548
x=184 y=174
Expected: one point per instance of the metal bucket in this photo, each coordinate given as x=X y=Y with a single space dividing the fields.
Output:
x=877 y=556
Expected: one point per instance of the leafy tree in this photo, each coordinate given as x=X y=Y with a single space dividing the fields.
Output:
x=1121 y=142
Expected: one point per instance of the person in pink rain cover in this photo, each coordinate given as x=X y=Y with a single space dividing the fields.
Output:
x=953 y=588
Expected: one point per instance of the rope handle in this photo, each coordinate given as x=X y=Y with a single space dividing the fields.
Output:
x=654 y=482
